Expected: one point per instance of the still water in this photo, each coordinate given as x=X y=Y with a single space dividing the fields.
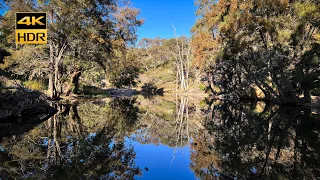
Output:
x=164 y=138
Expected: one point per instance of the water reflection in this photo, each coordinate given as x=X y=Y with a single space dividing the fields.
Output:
x=81 y=141
x=169 y=127
x=163 y=137
x=251 y=141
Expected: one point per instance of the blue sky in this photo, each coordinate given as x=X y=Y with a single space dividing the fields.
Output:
x=160 y=14
x=2 y=10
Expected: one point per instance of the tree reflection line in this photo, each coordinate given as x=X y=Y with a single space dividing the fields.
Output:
x=239 y=130
x=68 y=150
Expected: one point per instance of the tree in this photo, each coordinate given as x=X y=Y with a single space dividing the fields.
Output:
x=79 y=32
x=153 y=53
x=181 y=51
x=262 y=44
x=126 y=72
x=159 y=52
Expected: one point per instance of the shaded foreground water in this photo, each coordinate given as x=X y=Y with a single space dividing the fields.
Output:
x=163 y=138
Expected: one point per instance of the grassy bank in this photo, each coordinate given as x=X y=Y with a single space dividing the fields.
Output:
x=164 y=77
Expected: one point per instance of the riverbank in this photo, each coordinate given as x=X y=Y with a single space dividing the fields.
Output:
x=19 y=105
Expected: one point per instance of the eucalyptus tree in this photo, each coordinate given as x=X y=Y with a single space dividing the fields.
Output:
x=271 y=45
x=153 y=52
x=89 y=31
x=159 y=52
x=82 y=33
x=180 y=50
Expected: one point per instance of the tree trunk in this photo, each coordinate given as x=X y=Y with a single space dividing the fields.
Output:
x=51 y=86
x=210 y=82
x=74 y=80
x=56 y=80
x=177 y=79
x=182 y=76
x=307 y=96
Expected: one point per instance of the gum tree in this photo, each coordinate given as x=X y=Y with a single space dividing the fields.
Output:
x=266 y=45
x=82 y=34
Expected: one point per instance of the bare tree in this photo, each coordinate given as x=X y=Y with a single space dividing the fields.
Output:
x=181 y=53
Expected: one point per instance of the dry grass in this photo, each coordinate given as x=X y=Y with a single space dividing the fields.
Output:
x=165 y=77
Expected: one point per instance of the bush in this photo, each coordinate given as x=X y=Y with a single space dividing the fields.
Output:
x=203 y=104
x=203 y=87
x=126 y=77
x=34 y=85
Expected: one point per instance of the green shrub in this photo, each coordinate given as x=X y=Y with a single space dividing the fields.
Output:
x=203 y=104
x=34 y=85
x=203 y=87
x=125 y=77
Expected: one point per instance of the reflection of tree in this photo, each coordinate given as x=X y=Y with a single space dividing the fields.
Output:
x=127 y=111
x=181 y=129
x=202 y=155
x=276 y=142
x=174 y=129
x=76 y=143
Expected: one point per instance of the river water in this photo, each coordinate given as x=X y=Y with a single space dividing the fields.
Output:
x=164 y=138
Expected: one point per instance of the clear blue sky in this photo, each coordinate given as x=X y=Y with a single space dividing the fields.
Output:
x=160 y=14
x=2 y=10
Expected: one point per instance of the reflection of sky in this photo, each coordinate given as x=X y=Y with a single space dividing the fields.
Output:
x=160 y=163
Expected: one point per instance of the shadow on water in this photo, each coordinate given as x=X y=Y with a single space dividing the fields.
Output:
x=149 y=90
x=89 y=140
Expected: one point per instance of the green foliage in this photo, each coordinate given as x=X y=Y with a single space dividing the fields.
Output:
x=28 y=61
x=125 y=77
x=172 y=55
x=203 y=104
x=269 y=44
x=127 y=71
x=153 y=53
x=85 y=37
x=203 y=87
x=34 y=85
